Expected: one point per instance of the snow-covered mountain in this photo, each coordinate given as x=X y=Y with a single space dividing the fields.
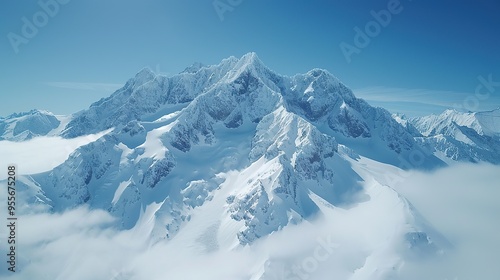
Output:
x=244 y=90
x=163 y=126
x=472 y=136
x=25 y=126
x=222 y=157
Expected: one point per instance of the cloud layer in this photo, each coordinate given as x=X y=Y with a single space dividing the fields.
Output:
x=460 y=201
x=41 y=153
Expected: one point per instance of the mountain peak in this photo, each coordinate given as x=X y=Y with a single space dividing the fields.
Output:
x=249 y=65
x=30 y=112
x=317 y=72
x=250 y=57
x=449 y=112
x=26 y=125
x=145 y=74
x=466 y=136
x=250 y=60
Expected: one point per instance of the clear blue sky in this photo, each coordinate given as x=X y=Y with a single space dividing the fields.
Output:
x=91 y=47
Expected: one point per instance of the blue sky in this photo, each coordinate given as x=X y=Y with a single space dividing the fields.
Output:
x=88 y=48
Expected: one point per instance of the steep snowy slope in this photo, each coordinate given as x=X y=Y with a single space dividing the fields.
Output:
x=370 y=131
x=368 y=238
x=25 y=126
x=463 y=136
x=406 y=123
x=144 y=97
x=483 y=123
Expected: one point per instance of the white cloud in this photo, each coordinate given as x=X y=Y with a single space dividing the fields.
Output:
x=434 y=97
x=460 y=201
x=42 y=153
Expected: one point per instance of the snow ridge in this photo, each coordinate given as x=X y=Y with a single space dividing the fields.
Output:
x=471 y=136
x=25 y=126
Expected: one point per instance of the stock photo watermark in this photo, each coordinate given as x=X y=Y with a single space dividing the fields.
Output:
x=322 y=252
x=223 y=6
x=11 y=218
x=416 y=158
x=485 y=88
x=31 y=26
x=373 y=28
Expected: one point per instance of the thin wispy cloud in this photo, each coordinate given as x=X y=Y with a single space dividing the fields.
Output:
x=425 y=96
x=108 y=87
x=419 y=102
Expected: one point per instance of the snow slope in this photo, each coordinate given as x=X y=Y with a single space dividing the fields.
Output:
x=461 y=136
x=28 y=125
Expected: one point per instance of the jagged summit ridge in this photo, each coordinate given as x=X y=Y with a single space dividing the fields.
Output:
x=484 y=123
x=238 y=91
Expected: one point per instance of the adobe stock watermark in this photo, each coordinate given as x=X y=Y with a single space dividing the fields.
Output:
x=363 y=37
x=223 y=6
x=483 y=91
x=310 y=264
x=121 y=275
x=48 y=9
x=416 y=159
